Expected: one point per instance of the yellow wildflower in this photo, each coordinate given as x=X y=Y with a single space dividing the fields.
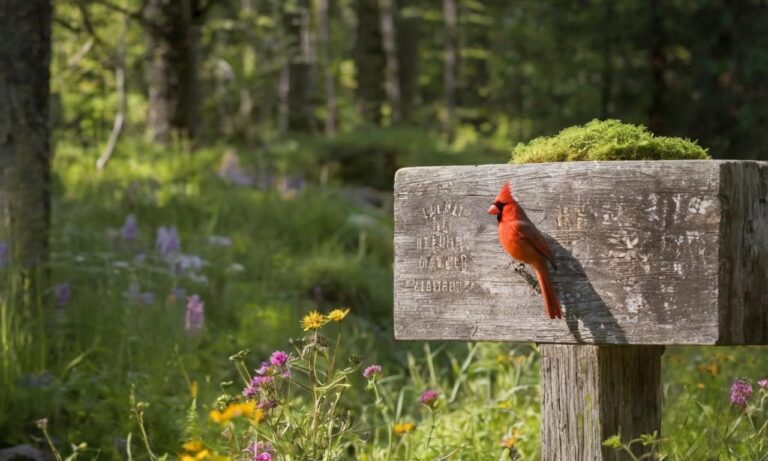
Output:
x=700 y=386
x=509 y=442
x=313 y=321
x=193 y=446
x=337 y=315
x=403 y=428
x=234 y=410
x=501 y=359
x=711 y=368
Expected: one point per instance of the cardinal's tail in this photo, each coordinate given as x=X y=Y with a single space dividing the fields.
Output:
x=551 y=303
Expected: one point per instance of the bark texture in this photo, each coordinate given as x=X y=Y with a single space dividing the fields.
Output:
x=370 y=61
x=25 y=47
x=590 y=393
x=172 y=32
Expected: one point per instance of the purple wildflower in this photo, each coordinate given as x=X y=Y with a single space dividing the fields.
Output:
x=261 y=451
x=429 y=398
x=264 y=369
x=3 y=254
x=130 y=230
x=763 y=383
x=167 y=242
x=267 y=404
x=278 y=358
x=741 y=392
x=252 y=389
x=371 y=371
x=195 y=314
x=62 y=292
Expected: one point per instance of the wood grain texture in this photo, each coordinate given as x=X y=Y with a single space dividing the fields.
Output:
x=672 y=252
x=590 y=393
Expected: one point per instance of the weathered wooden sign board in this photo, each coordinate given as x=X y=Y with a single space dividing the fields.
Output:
x=648 y=254
x=672 y=252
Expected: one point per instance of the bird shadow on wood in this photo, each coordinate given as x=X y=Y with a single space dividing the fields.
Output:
x=579 y=298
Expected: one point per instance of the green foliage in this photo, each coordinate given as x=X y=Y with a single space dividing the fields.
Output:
x=606 y=140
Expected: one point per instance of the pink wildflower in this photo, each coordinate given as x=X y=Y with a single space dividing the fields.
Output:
x=371 y=371
x=429 y=398
x=741 y=392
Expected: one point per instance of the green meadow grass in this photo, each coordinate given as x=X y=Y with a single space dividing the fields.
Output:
x=316 y=248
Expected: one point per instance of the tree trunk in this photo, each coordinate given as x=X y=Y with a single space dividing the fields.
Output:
x=295 y=78
x=389 y=44
x=25 y=48
x=174 y=98
x=450 y=61
x=370 y=61
x=657 y=61
x=606 y=89
x=408 y=60
x=328 y=69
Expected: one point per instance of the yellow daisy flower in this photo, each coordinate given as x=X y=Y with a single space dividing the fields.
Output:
x=403 y=428
x=313 y=321
x=234 y=410
x=337 y=315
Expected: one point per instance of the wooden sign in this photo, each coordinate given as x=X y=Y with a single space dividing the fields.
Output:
x=672 y=252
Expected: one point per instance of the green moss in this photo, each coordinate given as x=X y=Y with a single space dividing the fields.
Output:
x=606 y=140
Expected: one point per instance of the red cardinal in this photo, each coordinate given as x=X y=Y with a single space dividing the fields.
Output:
x=524 y=242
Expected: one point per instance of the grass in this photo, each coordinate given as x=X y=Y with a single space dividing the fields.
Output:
x=318 y=247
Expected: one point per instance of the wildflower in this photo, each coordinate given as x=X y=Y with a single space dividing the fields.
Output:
x=257 y=382
x=404 y=428
x=130 y=230
x=234 y=410
x=371 y=371
x=62 y=292
x=278 y=358
x=763 y=383
x=429 y=398
x=193 y=446
x=741 y=392
x=195 y=314
x=267 y=404
x=167 y=242
x=711 y=368
x=509 y=442
x=313 y=321
x=42 y=423
x=264 y=369
x=337 y=315
x=699 y=386
x=261 y=451
x=3 y=254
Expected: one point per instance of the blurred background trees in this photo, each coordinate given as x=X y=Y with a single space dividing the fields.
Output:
x=465 y=71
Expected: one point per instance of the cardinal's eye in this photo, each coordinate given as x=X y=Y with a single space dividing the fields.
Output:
x=499 y=205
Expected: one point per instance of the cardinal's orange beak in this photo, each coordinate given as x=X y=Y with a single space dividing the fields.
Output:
x=494 y=210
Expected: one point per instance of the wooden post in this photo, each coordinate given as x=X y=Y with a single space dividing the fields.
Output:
x=648 y=254
x=590 y=393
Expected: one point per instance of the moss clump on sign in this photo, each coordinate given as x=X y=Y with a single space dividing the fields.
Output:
x=606 y=140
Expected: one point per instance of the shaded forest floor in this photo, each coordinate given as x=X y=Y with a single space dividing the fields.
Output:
x=265 y=236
